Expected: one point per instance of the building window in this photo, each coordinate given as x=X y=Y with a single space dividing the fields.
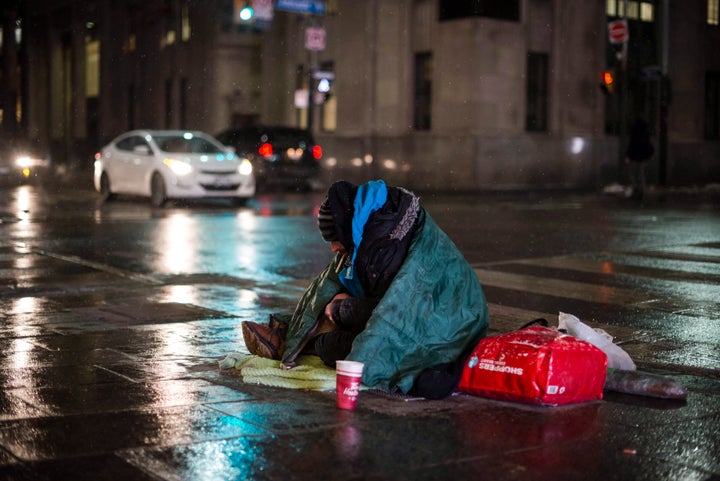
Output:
x=422 y=94
x=537 y=92
x=500 y=9
x=643 y=11
x=712 y=105
x=169 y=32
x=168 y=39
x=92 y=67
x=713 y=13
x=131 y=43
x=185 y=28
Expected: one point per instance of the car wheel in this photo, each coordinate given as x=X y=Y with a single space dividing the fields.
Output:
x=158 y=193
x=105 y=192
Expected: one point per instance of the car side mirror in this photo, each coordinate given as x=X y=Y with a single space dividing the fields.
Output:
x=141 y=149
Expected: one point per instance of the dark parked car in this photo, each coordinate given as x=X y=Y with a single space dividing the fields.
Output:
x=284 y=157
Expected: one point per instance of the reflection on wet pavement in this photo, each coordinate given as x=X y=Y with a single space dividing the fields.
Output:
x=114 y=318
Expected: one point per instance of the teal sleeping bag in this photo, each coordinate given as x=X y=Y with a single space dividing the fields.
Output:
x=433 y=310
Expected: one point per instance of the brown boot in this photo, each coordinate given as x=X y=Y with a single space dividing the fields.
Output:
x=281 y=326
x=263 y=340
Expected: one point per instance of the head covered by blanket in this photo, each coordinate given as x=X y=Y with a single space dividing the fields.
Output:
x=374 y=224
x=431 y=309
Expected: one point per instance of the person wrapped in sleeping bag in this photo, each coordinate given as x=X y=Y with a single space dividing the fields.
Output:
x=397 y=296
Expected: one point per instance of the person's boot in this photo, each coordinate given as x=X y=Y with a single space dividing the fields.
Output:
x=275 y=323
x=263 y=340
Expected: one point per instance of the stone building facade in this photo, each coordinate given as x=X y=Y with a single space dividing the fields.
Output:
x=431 y=94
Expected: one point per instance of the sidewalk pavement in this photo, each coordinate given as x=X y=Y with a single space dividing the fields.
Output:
x=103 y=380
x=131 y=390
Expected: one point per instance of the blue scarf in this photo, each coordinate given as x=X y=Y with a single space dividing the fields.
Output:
x=370 y=197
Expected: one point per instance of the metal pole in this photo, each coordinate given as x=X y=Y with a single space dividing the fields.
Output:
x=664 y=94
x=311 y=85
x=622 y=138
x=311 y=97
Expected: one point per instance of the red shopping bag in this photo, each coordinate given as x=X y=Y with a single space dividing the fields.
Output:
x=535 y=365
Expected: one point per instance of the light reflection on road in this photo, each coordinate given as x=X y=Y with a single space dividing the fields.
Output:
x=177 y=242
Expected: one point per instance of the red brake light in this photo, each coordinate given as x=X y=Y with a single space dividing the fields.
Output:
x=265 y=150
x=317 y=152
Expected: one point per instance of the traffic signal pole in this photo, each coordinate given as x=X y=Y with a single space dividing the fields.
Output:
x=311 y=89
x=664 y=95
x=623 y=102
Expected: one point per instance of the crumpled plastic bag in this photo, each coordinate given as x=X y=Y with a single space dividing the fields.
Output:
x=617 y=357
x=644 y=384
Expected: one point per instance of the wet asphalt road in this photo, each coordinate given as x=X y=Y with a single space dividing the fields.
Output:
x=115 y=315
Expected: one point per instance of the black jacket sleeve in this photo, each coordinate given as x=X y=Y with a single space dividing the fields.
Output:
x=352 y=313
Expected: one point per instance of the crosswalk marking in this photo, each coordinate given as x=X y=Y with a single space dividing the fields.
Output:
x=662 y=304
x=633 y=264
x=567 y=289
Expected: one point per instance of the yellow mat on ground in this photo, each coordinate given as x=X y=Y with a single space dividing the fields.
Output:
x=310 y=373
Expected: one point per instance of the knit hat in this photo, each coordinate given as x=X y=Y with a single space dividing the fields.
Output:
x=340 y=201
x=326 y=224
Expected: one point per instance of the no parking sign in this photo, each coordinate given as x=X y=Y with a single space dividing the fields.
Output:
x=315 y=38
x=618 y=31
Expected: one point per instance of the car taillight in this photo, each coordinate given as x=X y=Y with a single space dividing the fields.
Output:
x=265 y=150
x=317 y=152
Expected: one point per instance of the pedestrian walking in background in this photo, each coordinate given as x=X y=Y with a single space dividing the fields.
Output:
x=397 y=296
x=639 y=151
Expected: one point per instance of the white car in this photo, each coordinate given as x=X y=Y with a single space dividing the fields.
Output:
x=172 y=164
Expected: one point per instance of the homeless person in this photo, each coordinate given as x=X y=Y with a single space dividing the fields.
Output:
x=397 y=296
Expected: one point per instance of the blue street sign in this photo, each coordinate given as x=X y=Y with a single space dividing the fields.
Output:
x=316 y=7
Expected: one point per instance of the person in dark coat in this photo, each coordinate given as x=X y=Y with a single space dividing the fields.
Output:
x=369 y=269
x=638 y=153
x=397 y=296
x=366 y=272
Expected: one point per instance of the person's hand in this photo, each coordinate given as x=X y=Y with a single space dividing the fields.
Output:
x=328 y=307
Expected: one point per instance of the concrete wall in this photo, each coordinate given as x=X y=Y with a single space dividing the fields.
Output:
x=478 y=138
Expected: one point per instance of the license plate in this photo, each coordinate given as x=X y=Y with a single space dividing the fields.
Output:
x=221 y=182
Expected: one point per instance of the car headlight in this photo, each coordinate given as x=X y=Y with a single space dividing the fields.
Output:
x=23 y=162
x=178 y=166
x=245 y=167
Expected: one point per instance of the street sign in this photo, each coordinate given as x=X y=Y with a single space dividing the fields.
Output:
x=618 y=31
x=263 y=9
x=316 y=7
x=651 y=72
x=315 y=38
x=318 y=74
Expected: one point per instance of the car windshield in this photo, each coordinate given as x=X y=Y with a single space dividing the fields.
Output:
x=187 y=144
x=287 y=136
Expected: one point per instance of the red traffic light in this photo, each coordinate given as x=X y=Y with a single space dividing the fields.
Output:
x=608 y=78
x=608 y=81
